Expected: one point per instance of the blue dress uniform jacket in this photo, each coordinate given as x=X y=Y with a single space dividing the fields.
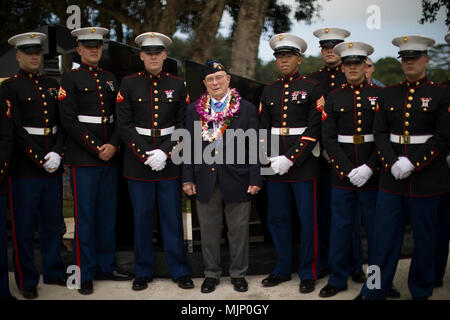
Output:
x=329 y=78
x=88 y=91
x=32 y=102
x=6 y=140
x=350 y=111
x=410 y=109
x=233 y=179
x=294 y=102
x=150 y=102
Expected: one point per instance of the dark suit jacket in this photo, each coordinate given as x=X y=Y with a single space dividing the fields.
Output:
x=232 y=178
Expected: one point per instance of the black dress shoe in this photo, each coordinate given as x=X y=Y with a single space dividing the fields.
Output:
x=87 y=287
x=239 y=284
x=8 y=298
x=358 y=276
x=272 y=280
x=115 y=276
x=209 y=285
x=323 y=273
x=393 y=293
x=185 y=282
x=307 y=286
x=329 y=291
x=30 y=292
x=141 y=283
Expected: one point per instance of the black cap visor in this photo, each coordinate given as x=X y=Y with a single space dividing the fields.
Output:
x=411 y=54
x=350 y=59
x=30 y=48
x=329 y=43
x=152 y=49
x=287 y=49
x=91 y=43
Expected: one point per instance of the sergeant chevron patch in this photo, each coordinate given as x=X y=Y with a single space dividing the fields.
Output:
x=61 y=94
x=119 y=97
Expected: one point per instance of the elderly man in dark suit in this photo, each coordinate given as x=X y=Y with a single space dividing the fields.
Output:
x=225 y=179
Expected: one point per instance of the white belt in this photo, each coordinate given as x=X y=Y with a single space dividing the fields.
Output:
x=295 y=132
x=155 y=132
x=288 y=131
x=402 y=139
x=95 y=120
x=356 y=139
x=41 y=131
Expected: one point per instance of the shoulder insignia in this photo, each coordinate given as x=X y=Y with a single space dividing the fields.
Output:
x=61 y=93
x=8 y=110
x=260 y=108
x=320 y=104
x=119 y=98
x=188 y=99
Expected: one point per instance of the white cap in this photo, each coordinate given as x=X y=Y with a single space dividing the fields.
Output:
x=90 y=36
x=287 y=42
x=331 y=36
x=153 y=41
x=353 y=51
x=447 y=38
x=412 y=46
x=29 y=41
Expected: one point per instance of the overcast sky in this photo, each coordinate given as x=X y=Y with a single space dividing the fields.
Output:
x=397 y=18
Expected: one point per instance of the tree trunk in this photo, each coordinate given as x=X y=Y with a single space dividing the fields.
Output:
x=246 y=37
x=205 y=33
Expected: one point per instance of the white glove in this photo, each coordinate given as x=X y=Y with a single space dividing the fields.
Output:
x=156 y=160
x=280 y=164
x=360 y=175
x=402 y=168
x=52 y=163
x=448 y=160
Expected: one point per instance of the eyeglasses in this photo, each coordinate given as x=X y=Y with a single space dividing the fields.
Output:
x=216 y=78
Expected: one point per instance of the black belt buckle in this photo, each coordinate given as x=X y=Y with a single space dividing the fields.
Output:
x=156 y=132
x=404 y=139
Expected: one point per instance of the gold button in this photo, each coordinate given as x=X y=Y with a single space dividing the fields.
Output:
x=337 y=167
x=292 y=157
x=359 y=113
x=342 y=173
x=45 y=111
x=342 y=109
x=286 y=92
x=285 y=108
x=138 y=150
x=156 y=116
x=431 y=152
x=332 y=84
x=284 y=124
x=101 y=103
x=92 y=141
x=140 y=99
x=155 y=84
x=100 y=87
x=40 y=88
x=156 y=107
x=412 y=91
x=156 y=99
x=358 y=105
x=386 y=165
x=103 y=110
x=285 y=116
x=333 y=76
x=382 y=158
x=285 y=100
x=45 y=103
x=296 y=150
x=155 y=92
x=155 y=123
x=97 y=81
x=301 y=144
x=29 y=99
x=86 y=89
x=358 y=98
x=35 y=156
x=391 y=108
x=46 y=120
x=410 y=98
x=425 y=158
x=213 y=169
x=133 y=144
x=357 y=92
x=87 y=137
x=30 y=151
x=407 y=114
x=417 y=164
x=101 y=95
x=271 y=103
x=406 y=123
x=408 y=106
x=406 y=133
x=359 y=121
x=43 y=96
x=359 y=129
x=286 y=86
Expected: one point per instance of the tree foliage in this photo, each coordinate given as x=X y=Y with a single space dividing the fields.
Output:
x=430 y=8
